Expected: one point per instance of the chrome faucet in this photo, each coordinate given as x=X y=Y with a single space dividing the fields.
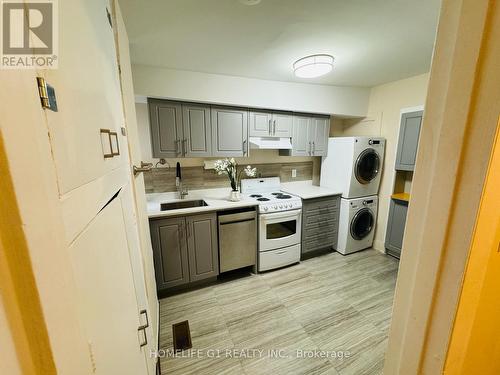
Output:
x=178 y=182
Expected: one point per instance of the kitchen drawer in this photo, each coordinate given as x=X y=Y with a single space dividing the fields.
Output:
x=279 y=258
x=323 y=202
x=317 y=243
x=315 y=220
x=319 y=232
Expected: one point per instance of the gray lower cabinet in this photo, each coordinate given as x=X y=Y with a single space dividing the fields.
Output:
x=409 y=133
x=185 y=249
x=229 y=131
x=396 y=227
x=320 y=223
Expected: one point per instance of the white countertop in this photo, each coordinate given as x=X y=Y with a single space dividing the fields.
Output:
x=217 y=199
x=306 y=190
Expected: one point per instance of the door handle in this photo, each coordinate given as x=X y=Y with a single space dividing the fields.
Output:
x=314 y=148
x=270 y=127
x=143 y=328
x=244 y=147
x=310 y=148
x=145 y=167
x=274 y=127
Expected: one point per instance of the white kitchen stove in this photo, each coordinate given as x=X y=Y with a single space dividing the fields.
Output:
x=280 y=222
x=267 y=192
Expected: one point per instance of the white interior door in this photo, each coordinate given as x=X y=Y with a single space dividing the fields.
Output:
x=137 y=187
x=106 y=300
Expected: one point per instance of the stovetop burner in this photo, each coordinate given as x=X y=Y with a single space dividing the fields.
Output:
x=255 y=196
x=263 y=199
x=278 y=193
x=283 y=196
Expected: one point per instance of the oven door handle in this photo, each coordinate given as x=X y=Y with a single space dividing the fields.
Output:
x=280 y=215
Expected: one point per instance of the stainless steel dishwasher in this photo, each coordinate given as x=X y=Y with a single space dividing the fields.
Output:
x=237 y=239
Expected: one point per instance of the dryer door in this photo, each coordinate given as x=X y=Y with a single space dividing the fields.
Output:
x=362 y=224
x=367 y=166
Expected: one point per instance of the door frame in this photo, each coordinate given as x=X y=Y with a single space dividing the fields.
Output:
x=455 y=144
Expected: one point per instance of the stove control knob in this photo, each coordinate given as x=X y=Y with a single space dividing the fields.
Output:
x=266 y=208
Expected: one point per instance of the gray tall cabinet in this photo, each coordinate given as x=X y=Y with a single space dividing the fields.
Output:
x=406 y=155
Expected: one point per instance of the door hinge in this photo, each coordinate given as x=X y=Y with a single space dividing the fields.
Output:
x=47 y=94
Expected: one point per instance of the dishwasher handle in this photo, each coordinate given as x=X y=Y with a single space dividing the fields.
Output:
x=237 y=217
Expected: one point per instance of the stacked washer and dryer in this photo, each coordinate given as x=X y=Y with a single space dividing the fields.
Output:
x=354 y=167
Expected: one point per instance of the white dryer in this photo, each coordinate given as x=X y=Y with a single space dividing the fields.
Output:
x=353 y=165
x=357 y=221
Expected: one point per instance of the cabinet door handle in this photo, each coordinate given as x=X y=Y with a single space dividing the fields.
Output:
x=244 y=147
x=314 y=148
x=274 y=127
x=184 y=146
x=270 y=126
x=310 y=148
x=178 y=146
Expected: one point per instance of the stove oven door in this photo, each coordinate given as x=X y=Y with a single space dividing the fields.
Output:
x=279 y=229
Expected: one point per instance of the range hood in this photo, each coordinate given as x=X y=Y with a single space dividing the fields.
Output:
x=268 y=143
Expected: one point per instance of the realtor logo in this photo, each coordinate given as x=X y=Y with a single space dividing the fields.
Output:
x=29 y=34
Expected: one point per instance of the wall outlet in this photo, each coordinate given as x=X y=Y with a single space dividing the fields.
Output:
x=294 y=173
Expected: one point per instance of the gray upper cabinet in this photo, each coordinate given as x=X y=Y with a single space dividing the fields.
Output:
x=260 y=124
x=170 y=252
x=202 y=246
x=409 y=133
x=229 y=131
x=310 y=136
x=282 y=124
x=301 y=146
x=319 y=131
x=270 y=124
x=166 y=128
x=197 y=130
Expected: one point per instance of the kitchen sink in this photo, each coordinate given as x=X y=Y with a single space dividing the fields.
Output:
x=182 y=204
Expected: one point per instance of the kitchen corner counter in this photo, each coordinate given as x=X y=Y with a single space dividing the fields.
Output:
x=216 y=199
x=306 y=190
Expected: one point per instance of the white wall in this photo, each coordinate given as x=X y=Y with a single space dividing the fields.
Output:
x=385 y=104
x=214 y=88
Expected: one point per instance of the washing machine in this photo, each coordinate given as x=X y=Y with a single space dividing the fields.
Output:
x=357 y=221
x=353 y=165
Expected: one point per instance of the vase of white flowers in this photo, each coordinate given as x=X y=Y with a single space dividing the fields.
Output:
x=230 y=168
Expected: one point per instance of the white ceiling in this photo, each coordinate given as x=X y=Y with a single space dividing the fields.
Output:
x=373 y=41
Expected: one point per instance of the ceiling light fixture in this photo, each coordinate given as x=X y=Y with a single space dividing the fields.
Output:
x=249 y=2
x=313 y=66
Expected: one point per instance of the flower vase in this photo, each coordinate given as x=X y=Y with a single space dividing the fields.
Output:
x=234 y=196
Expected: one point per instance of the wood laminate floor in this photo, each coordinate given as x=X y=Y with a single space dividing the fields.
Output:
x=328 y=305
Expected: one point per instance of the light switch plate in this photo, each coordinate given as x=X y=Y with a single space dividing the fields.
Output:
x=294 y=173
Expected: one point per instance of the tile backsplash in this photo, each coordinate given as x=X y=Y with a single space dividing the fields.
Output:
x=162 y=179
